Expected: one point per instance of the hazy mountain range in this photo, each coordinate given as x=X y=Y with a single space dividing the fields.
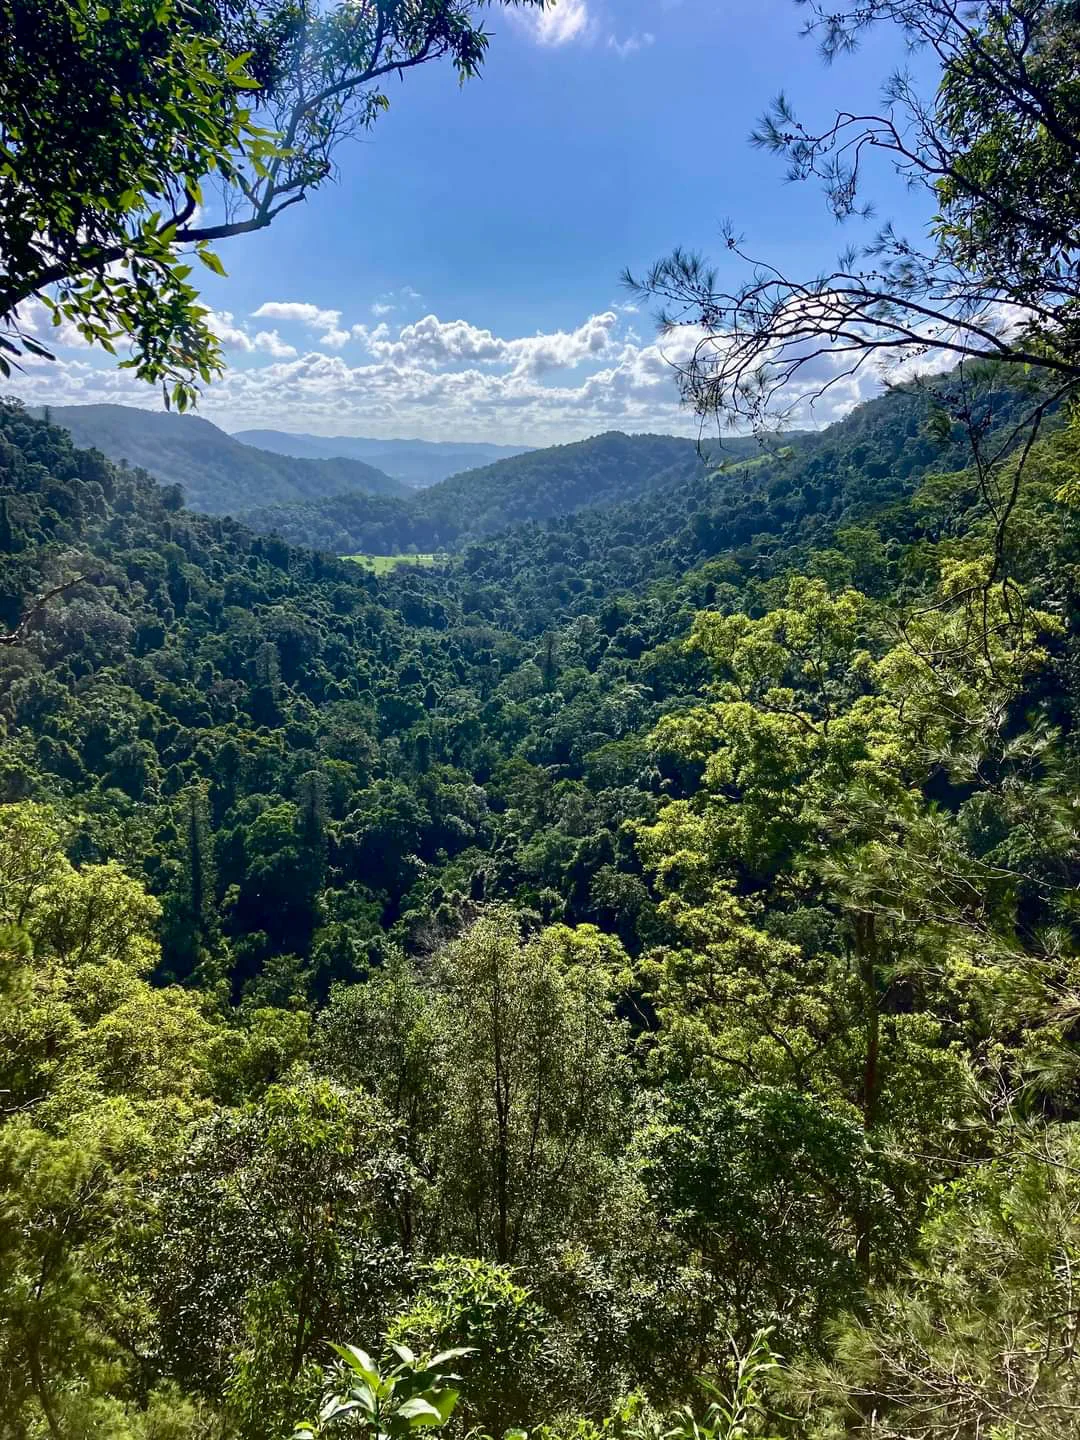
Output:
x=416 y=463
x=218 y=473
x=596 y=473
x=345 y=504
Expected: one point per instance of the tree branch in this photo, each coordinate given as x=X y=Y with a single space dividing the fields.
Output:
x=37 y=605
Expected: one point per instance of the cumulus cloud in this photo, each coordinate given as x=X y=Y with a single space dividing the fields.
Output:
x=432 y=343
x=305 y=314
x=439 y=379
x=538 y=354
x=272 y=343
x=380 y=333
x=558 y=23
x=36 y=320
x=324 y=323
x=230 y=334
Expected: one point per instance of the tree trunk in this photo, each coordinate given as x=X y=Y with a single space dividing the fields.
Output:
x=41 y=1390
x=866 y=953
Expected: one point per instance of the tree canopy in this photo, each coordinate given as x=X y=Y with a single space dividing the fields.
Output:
x=617 y=981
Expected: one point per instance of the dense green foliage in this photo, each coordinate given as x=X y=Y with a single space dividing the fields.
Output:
x=637 y=952
x=346 y=507
x=647 y=926
x=218 y=474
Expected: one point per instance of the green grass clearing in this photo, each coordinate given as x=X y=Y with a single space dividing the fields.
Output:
x=380 y=564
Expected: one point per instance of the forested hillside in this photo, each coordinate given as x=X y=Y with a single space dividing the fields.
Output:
x=600 y=471
x=617 y=977
x=542 y=484
x=346 y=507
x=217 y=473
x=306 y=796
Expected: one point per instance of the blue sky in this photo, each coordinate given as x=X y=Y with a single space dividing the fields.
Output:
x=461 y=278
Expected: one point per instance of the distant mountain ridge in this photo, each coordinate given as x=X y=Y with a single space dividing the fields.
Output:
x=417 y=463
x=347 y=506
x=218 y=474
x=605 y=470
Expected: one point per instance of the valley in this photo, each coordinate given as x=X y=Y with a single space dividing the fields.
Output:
x=569 y=930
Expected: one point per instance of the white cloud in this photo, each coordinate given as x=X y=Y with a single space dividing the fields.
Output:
x=562 y=21
x=232 y=337
x=436 y=379
x=432 y=343
x=559 y=22
x=379 y=334
x=595 y=340
x=36 y=320
x=272 y=343
x=305 y=314
x=404 y=299
x=632 y=43
x=324 y=323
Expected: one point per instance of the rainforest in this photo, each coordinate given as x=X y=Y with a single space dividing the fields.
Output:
x=588 y=949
